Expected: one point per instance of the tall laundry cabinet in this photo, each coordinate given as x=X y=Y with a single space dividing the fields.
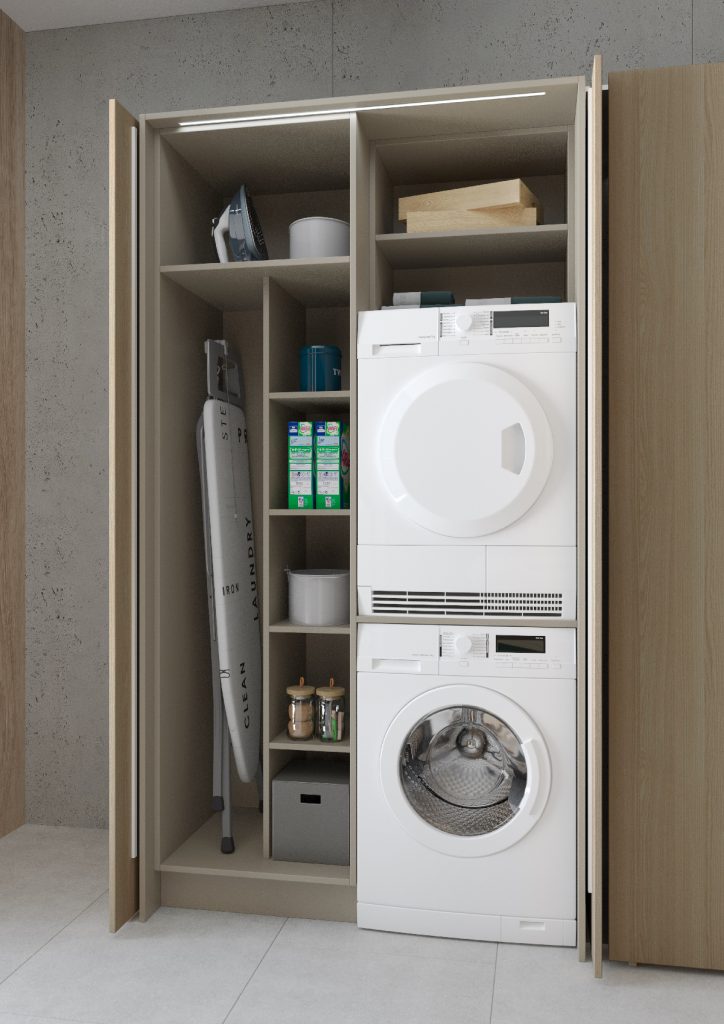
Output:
x=666 y=516
x=349 y=157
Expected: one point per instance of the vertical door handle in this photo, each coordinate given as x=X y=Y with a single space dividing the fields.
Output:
x=513 y=448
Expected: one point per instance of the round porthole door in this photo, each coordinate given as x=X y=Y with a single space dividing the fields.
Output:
x=465 y=449
x=465 y=770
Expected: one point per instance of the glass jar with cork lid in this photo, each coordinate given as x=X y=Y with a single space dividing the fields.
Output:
x=330 y=713
x=300 y=707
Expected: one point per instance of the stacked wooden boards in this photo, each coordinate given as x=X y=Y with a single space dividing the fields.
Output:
x=495 y=204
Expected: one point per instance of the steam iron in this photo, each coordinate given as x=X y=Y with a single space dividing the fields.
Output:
x=238 y=231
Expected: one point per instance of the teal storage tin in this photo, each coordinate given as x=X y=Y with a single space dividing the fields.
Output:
x=320 y=368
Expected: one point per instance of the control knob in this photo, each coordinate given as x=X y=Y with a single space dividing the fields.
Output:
x=462 y=644
x=463 y=322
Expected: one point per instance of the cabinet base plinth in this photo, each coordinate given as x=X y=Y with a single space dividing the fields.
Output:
x=258 y=896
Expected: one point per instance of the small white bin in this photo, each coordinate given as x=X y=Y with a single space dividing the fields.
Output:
x=319 y=597
x=312 y=237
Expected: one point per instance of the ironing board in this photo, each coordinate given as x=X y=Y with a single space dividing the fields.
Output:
x=233 y=597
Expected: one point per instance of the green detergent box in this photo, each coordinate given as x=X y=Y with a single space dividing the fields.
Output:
x=331 y=464
x=300 y=459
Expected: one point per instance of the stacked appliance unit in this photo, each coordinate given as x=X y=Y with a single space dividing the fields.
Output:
x=467 y=510
x=467 y=461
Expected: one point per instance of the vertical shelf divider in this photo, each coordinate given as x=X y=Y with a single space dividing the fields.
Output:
x=361 y=262
x=283 y=319
x=266 y=794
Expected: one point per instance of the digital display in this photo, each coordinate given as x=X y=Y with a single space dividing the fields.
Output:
x=521 y=318
x=520 y=644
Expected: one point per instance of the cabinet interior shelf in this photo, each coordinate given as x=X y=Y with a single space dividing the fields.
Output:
x=283 y=742
x=300 y=513
x=285 y=626
x=545 y=243
x=237 y=286
x=471 y=620
x=200 y=855
x=311 y=399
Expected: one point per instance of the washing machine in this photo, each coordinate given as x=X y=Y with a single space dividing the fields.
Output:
x=467 y=461
x=466 y=782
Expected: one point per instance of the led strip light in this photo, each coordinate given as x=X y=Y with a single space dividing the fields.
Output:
x=357 y=110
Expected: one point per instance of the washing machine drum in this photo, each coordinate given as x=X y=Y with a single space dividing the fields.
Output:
x=463 y=771
x=465 y=449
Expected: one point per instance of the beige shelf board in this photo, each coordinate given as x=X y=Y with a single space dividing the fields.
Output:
x=300 y=513
x=548 y=103
x=283 y=742
x=476 y=157
x=553 y=103
x=471 y=620
x=305 y=156
x=237 y=286
x=201 y=855
x=311 y=399
x=546 y=243
x=285 y=626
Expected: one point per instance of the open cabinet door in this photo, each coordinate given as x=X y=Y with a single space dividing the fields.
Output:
x=12 y=426
x=595 y=514
x=122 y=515
x=665 y=517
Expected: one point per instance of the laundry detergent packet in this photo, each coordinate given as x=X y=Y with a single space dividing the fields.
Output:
x=331 y=464
x=300 y=462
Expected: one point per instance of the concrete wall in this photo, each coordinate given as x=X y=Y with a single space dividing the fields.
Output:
x=324 y=47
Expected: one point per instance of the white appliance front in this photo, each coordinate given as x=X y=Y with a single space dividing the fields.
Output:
x=466 y=465
x=466 y=788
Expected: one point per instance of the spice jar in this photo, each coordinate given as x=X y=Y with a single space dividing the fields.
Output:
x=300 y=707
x=330 y=712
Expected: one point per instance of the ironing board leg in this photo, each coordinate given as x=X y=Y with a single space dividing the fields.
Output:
x=227 y=838
x=217 y=799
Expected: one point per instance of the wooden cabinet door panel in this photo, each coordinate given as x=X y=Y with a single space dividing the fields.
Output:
x=666 y=516
x=123 y=857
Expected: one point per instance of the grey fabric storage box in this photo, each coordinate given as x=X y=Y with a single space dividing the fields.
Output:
x=310 y=812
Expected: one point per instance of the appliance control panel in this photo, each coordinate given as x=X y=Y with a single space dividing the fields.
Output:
x=514 y=328
x=465 y=650
x=475 y=651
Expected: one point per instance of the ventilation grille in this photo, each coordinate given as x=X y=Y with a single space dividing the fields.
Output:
x=429 y=602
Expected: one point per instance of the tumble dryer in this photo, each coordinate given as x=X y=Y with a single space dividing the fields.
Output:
x=466 y=792
x=467 y=461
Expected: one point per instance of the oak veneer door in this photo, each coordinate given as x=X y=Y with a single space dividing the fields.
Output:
x=123 y=859
x=666 y=516
x=594 y=647
x=12 y=426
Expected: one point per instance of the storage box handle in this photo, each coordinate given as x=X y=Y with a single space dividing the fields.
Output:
x=310 y=798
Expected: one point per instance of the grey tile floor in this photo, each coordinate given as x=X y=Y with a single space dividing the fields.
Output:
x=59 y=963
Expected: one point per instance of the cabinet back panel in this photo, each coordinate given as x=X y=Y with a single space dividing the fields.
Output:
x=484 y=282
x=187 y=206
x=184 y=667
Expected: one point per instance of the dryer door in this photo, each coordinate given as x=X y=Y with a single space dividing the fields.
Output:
x=465 y=449
x=465 y=770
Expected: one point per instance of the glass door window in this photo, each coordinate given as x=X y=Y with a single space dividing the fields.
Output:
x=463 y=770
